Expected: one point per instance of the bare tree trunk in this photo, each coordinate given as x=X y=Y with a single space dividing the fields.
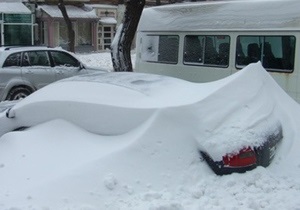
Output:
x=71 y=33
x=121 y=46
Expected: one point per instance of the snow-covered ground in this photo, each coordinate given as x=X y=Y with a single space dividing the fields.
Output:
x=87 y=172
x=101 y=59
x=97 y=59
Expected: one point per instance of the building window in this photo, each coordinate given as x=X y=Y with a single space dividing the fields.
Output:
x=84 y=33
x=276 y=53
x=1 y=33
x=160 y=48
x=105 y=36
x=63 y=33
x=43 y=33
x=108 y=36
x=17 y=29
x=17 y=34
x=17 y=18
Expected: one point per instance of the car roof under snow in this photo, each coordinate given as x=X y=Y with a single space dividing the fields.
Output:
x=134 y=81
x=9 y=49
x=135 y=90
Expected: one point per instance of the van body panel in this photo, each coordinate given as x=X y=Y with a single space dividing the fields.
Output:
x=223 y=15
x=272 y=23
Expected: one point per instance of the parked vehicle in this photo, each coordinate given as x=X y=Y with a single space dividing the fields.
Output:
x=247 y=158
x=115 y=104
x=207 y=41
x=24 y=70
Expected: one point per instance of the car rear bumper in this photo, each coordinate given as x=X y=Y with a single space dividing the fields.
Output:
x=264 y=156
x=220 y=169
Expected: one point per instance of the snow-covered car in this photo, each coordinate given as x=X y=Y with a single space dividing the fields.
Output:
x=24 y=70
x=234 y=129
x=248 y=157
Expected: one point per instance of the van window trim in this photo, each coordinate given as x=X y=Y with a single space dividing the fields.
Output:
x=202 y=64
x=165 y=62
x=288 y=71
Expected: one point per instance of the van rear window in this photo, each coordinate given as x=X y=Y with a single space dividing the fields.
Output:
x=276 y=53
x=160 y=48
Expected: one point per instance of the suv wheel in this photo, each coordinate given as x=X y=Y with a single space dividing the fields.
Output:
x=18 y=93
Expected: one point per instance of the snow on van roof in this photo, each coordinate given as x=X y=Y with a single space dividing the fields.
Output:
x=225 y=15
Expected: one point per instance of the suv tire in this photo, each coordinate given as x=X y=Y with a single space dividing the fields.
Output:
x=17 y=93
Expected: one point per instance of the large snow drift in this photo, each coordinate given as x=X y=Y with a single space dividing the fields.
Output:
x=58 y=164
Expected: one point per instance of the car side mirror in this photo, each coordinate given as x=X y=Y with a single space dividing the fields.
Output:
x=10 y=113
x=81 y=66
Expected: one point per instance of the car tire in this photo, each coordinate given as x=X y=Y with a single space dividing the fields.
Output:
x=18 y=93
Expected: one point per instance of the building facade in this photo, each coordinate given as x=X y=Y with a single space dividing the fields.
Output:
x=94 y=23
x=106 y=25
x=52 y=29
x=40 y=22
x=17 y=24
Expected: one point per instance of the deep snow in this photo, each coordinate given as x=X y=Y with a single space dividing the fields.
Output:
x=85 y=171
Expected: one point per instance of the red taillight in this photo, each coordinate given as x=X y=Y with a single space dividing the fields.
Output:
x=245 y=157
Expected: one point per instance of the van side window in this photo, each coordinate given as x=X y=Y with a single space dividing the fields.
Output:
x=160 y=48
x=276 y=53
x=206 y=50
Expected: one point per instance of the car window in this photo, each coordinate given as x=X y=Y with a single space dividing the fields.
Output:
x=35 y=58
x=64 y=59
x=13 y=60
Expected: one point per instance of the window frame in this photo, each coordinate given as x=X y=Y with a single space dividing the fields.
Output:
x=158 y=49
x=65 y=53
x=37 y=52
x=203 y=51
x=12 y=54
x=263 y=37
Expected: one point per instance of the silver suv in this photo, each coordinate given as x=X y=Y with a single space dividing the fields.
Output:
x=23 y=70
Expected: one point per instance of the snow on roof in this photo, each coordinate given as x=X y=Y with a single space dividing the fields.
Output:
x=223 y=15
x=73 y=12
x=103 y=6
x=15 y=7
x=108 y=20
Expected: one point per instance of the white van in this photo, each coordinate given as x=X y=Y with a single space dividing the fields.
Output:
x=206 y=41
